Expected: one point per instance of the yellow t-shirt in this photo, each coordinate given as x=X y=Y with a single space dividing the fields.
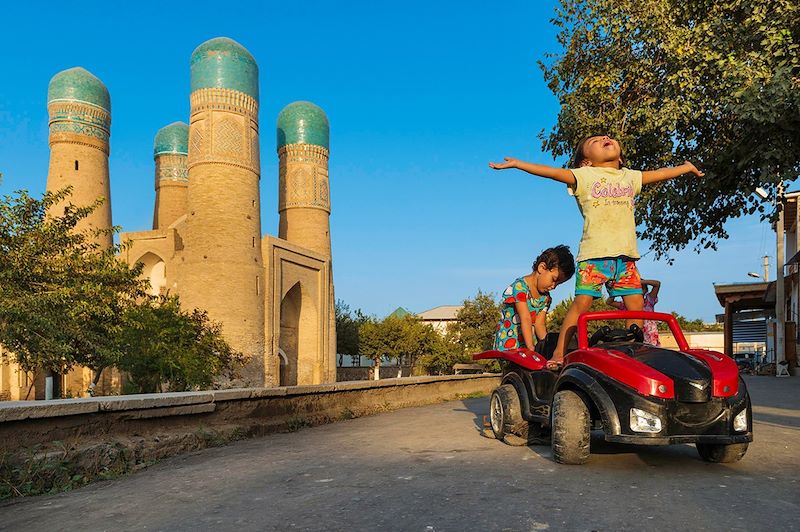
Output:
x=605 y=198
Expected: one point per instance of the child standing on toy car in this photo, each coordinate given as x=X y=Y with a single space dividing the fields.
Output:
x=605 y=192
x=525 y=302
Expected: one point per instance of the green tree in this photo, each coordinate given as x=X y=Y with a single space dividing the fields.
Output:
x=348 y=324
x=404 y=339
x=717 y=83
x=166 y=348
x=62 y=299
x=688 y=325
x=475 y=324
x=555 y=318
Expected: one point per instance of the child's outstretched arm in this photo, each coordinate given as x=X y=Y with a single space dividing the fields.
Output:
x=663 y=174
x=558 y=174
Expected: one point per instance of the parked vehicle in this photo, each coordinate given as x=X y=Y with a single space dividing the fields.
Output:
x=634 y=392
x=746 y=362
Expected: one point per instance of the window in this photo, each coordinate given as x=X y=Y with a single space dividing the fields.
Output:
x=76 y=165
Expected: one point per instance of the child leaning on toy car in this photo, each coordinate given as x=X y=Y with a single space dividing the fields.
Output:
x=605 y=192
x=525 y=302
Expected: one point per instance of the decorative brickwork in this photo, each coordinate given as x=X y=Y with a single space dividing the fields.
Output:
x=81 y=123
x=224 y=100
x=303 y=174
x=228 y=138
x=233 y=140
x=172 y=168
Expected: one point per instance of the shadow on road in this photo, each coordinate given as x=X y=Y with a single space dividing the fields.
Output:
x=478 y=407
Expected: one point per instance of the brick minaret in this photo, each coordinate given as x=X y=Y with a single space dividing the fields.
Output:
x=170 y=151
x=223 y=270
x=80 y=125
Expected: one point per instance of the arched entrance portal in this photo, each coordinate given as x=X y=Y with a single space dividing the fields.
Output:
x=299 y=338
x=155 y=271
x=283 y=366
x=290 y=328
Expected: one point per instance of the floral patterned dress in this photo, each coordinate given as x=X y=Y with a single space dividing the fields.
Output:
x=508 y=334
x=650 y=326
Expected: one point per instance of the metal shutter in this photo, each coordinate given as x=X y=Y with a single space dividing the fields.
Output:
x=750 y=331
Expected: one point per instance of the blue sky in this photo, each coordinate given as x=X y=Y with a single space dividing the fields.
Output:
x=420 y=96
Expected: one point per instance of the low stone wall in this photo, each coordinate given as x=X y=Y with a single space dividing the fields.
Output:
x=362 y=373
x=140 y=428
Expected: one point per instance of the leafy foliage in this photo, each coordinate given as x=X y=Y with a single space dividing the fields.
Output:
x=62 y=299
x=557 y=314
x=475 y=324
x=714 y=82
x=65 y=302
x=688 y=325
x=348 y=324
x=405 y=339
x=167 y=349
x=442 y=362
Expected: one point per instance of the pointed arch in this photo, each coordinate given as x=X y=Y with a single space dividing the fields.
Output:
x=154 y=269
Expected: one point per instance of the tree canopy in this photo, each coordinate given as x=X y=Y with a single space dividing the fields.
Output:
x=475 y=324
x=557 y=314
x=167 y=348
x=64 y=302
x=62 y=299
x=714 y=82
x=348 y=323
x=687 y=325
x=405 y=339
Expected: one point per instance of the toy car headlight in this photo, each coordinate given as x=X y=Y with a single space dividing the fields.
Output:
x=740 y=421
x=642 y=421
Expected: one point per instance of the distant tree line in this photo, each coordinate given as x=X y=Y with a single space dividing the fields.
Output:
x=411 y=342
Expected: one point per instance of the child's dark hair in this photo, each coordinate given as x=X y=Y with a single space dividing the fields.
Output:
x=557 y=256
x=578 y=156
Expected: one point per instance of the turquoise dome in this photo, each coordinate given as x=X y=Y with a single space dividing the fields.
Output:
x=225 y=64
x=303 y=123
x=78 y=84
x=173 y=138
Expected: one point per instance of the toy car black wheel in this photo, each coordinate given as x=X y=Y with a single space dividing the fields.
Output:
x=570 y=428
x=720 y=452
x=505 y=415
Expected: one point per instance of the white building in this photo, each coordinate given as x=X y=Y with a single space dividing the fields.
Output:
x=441 y=317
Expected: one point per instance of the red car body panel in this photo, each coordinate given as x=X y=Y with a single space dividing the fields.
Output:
x=724 y=371
x=522 y=357
x=624 y=369
x=583 y=336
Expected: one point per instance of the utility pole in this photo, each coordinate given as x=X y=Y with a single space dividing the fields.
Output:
x=780 y=302
x=766 y=268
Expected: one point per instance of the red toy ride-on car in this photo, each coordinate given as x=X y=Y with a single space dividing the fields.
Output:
x=632 y=391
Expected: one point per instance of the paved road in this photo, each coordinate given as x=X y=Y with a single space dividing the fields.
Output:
x=427 y=469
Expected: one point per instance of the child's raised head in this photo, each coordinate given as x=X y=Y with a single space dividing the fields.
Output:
x=598 y=150
x=554 y=266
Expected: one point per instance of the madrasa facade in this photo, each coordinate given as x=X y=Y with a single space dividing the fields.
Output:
x=273 y=295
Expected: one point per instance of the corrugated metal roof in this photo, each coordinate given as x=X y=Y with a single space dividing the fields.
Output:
x=442 y=312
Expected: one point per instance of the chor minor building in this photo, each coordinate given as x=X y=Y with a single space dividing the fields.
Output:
x=273 y=295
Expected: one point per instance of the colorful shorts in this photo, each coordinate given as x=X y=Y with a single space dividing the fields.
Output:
x=619 y=275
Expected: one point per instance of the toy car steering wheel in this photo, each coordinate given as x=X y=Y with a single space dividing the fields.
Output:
x=606 y=334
